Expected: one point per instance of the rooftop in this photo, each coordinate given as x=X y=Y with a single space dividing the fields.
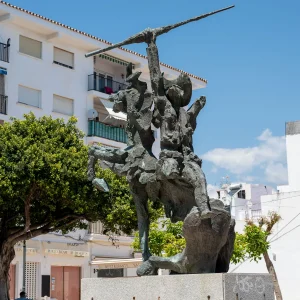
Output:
x=95 y=38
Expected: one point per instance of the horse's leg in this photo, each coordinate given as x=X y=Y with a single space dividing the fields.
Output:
x=140 y=198
x=175 y=263
x=193 y=173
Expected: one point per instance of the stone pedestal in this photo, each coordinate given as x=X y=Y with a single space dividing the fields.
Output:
x=232 y=286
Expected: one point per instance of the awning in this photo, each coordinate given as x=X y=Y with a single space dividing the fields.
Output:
x=111 y=114
x=118 y=116
x=3 y=71
x=116 y=263
x=115 y=60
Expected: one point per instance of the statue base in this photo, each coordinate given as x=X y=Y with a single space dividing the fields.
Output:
x=233 y=286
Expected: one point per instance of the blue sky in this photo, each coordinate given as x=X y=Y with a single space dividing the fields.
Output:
x=249 y=55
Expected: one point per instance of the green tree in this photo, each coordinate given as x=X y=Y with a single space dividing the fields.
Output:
x=165 y=238
x=253 y=245
x=44 y=186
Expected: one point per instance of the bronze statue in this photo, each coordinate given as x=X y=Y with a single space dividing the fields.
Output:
x=176 y=177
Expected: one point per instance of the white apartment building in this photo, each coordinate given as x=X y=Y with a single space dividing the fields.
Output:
x=243 y=199
x=285 y=245
x=43 y=69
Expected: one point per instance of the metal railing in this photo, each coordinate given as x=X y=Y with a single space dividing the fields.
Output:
x=256 y=214
x=3 y=104
x=99 y=129
x=4 y=51
x=103 y=84
x=98 y=228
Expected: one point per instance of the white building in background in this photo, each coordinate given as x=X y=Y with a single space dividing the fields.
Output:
x=43 y=69
x=285 y=245
x=243 y=199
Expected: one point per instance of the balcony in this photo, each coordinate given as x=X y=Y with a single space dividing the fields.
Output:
x=104 y=84
x=114 y=133
x=3 y=104
x=256 y=214
x=4 y=51
x=95 y=228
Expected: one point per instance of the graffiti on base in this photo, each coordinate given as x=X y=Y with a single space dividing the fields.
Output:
x=249 y=284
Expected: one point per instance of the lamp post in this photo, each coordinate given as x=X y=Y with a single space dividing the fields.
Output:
x=24 y=266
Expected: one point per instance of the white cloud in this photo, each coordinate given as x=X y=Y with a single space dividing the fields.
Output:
x=212 y=191
x=269 y=154
x=246 y=178
x=276 y=173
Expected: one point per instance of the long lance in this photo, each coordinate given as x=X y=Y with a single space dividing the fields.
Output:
x=141 y=36
x=149 y=36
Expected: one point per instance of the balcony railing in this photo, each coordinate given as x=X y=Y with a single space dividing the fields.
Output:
x=3 y=104
x=104 y=85
x=99 y=129
x=256 y=214
x=95 y=228
x=4 y=51
x=98 y=228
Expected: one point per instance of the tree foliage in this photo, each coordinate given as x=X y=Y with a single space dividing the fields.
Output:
x=253 y=242
x=43 y=181
x=165 y=238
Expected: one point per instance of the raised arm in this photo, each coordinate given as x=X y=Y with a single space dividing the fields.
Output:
x=194 y=110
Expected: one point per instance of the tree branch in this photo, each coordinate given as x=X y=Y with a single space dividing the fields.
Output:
x=43 y=230
x=27 y=207
x=43 y=227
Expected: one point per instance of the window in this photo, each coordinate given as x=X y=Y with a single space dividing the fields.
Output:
x=63 y=105
x=101 y=82
x=63 y=58
x=30 y=47
x=29 y=96
x=109 y=81
x=2 y=84
x=242 y=194
x=219 y=194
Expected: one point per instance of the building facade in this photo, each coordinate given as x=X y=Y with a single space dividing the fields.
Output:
x=284 y=241
x=43 y=70
x=243 y=199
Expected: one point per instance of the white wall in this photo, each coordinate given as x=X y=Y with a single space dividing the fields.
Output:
x=293 y=160
x=285 y=245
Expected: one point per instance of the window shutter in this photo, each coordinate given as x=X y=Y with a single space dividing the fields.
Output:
x=30 y=47
x=63 y=105
x=29 y=96
x=63 y=57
